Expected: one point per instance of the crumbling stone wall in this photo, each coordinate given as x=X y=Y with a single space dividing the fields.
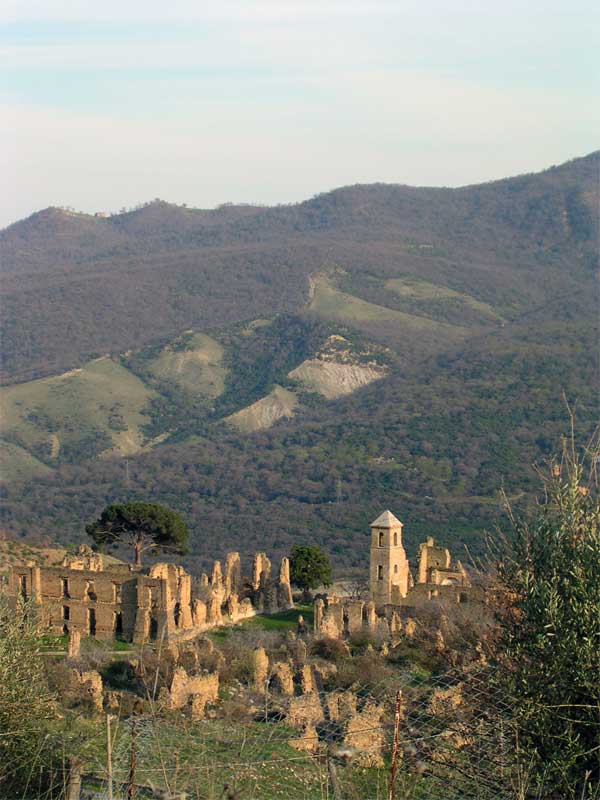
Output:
x=154 y=605
x=393 y=589
x=282 y=678
x=364 y=733
x=193 y=691
x=304 y=713
x=86 y=687
x=260 y=669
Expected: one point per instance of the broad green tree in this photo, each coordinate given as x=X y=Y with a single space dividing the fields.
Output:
x=309 y=567
x=144 y=526
x=550 y=617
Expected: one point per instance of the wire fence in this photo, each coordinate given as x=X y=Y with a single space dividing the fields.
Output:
x=432 y=738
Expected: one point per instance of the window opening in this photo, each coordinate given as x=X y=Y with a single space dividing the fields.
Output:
x=90 y=592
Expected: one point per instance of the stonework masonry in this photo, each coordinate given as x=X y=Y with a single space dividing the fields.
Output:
x=392 y=588
x=390 y=580
x=163 y=602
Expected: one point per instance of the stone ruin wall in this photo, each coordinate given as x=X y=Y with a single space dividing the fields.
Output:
x=288 y=680
x=439 y=578
x=159 y=603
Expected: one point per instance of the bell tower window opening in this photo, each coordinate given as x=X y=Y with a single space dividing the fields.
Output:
x=395 y=539
x=380 y=573
x=380 y=538
x=395 y=569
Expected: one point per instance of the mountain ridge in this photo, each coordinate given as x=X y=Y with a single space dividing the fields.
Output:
x=577 y=164
x=484 y=299
x=496 y=238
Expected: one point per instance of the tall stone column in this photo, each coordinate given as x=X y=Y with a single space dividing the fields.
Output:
x=319 y=606
x=284 y=589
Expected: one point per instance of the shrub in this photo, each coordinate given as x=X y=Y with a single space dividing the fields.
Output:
x=330 y=649
x=549 y=648
x=31 y=730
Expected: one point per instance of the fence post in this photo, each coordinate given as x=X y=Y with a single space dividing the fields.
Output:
x=109 y=772
x=394 y=764
x=131 y=783
x=75 y=773
x=333 y=777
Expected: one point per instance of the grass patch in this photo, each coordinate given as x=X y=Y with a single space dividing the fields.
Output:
x=283 y=621
x=333 y=304
x=418 y=290
x=196 y=366
x=76 y=415
x=17 y=464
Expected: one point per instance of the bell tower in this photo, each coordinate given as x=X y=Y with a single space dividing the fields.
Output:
x=389 y=574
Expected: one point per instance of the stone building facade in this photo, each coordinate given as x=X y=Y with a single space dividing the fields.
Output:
x=390 y=579
x=163 y=602
x=389 y=573
x=393 y=590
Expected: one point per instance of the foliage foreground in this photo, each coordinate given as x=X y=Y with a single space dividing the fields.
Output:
x=550 y=645
x=432 y=718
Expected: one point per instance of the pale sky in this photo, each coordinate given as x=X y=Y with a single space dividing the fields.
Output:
x=107 y=103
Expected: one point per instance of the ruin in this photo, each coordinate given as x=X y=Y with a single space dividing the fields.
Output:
x=393 y=589
x=160 y=603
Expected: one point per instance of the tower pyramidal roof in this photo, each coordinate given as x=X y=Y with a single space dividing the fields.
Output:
x=386 y=520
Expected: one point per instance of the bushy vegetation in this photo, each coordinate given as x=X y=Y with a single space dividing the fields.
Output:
x=550 y=647
x=31 y=727
x=309 y=567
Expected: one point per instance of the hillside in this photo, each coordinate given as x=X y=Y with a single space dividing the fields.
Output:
x=94 y=285
x=386 y=346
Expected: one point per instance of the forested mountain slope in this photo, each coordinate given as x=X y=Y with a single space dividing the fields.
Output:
x=410 y=348
x=74 y=285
